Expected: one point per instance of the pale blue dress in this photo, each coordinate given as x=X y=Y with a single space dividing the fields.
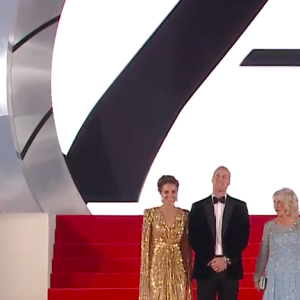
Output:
x=280 y=253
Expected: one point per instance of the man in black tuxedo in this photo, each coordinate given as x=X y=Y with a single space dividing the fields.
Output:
x=219 y=231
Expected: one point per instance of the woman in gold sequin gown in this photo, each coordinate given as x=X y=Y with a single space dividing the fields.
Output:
x=165 y=252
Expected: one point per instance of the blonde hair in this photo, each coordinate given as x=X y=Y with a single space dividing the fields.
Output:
x=289 y=200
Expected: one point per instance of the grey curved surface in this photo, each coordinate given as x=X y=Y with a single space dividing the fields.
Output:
x=15 y=195
x=31 y=81
x=42 y=173
x=34 y=13
x=55 y=190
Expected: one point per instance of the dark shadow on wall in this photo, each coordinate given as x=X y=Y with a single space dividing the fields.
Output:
x=116 y=146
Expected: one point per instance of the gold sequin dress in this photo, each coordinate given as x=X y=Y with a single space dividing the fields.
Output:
x=165 y=258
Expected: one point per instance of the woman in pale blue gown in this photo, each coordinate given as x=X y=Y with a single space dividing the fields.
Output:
x=279 y=254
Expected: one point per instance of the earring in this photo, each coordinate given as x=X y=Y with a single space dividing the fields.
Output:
x=287 y=212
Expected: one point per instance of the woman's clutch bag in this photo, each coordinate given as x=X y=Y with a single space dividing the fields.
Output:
x=262 y=283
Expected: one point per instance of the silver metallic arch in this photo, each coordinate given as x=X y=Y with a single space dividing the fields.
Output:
x=33 y=173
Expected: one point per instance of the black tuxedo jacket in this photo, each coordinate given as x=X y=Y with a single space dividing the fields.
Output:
x=202 y=236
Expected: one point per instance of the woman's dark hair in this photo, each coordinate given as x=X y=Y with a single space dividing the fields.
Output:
x=165 y=179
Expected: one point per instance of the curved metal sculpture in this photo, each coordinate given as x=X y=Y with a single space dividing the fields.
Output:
x=33 y=173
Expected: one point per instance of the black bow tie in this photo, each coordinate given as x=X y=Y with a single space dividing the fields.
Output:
x=218 y=200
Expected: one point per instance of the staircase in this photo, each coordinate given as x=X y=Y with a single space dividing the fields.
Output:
x=98 y=257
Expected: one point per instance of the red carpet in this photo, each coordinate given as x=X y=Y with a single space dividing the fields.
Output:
x=97 y=257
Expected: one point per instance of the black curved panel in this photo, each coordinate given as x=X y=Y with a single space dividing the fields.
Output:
x=113 y=152
x=272 y=58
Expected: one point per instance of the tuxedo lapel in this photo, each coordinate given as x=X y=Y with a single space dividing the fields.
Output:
x=229 y=206
x=209 y=209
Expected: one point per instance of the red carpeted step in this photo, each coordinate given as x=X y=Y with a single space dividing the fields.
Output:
x=96 y=250
x=255 y=237
x=125 y=294
x=95 y=280
x=252 y=250
x=118 y=222
x=96 y=265
x=112 y=265
x=110 y=280
x=95 y=222
x=87 y=235
x=97 y=257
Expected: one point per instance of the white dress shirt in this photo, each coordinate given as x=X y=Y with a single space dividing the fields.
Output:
x=219 y=210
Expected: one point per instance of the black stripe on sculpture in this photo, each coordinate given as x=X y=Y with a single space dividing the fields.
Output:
x=35 y=32
x=272 y=58
x=116 y=146
x=35 y=132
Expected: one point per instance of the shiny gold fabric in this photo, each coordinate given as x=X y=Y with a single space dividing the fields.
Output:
x=165 y=258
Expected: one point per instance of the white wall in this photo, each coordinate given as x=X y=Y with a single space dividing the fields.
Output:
x=25 y=255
